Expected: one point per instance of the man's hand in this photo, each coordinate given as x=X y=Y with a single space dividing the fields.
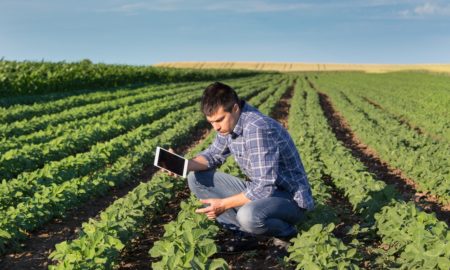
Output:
x=215 y=208
x=169 y=172
x=218 y=206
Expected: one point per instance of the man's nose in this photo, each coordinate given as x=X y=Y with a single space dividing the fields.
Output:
x=216 y=126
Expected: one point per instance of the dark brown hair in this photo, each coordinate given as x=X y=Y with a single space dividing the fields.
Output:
x=218 y=94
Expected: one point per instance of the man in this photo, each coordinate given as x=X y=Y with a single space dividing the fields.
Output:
x=278 y=193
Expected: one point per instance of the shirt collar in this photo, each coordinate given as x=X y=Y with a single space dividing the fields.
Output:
x=238 y=129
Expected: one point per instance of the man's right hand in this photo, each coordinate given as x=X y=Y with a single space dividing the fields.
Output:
x=167 y=171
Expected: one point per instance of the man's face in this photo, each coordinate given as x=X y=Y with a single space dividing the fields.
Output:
x=224 y=122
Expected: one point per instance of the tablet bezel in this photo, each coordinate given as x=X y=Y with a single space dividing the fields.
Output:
x=157 y=158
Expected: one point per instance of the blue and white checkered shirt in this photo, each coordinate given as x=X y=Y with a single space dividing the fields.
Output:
x=267 y=155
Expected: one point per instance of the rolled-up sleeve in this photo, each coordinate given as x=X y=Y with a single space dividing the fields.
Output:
x=217 y=152
x=264 y=157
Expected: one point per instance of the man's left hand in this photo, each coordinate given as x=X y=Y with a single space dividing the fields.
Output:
x=215 y=208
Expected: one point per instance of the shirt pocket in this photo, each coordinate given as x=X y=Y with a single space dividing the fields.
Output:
x=240 y=156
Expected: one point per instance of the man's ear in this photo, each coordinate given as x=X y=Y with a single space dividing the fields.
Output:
x=235 y=107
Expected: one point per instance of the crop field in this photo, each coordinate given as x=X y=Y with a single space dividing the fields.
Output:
x=277 y=66
x=78 y=189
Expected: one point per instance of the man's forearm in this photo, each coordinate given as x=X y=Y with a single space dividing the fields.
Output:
x=235 y=201
x=199 y=163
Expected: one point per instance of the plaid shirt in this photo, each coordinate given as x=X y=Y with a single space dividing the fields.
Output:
x=267 y=155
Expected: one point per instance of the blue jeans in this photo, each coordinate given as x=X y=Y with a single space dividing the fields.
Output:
x=272 y=216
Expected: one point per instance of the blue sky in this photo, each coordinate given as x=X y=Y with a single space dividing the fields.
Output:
x=148 y=32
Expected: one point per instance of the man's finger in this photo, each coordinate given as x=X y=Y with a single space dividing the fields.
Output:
x=204 y=210
x=205 y=201
x=168 y=172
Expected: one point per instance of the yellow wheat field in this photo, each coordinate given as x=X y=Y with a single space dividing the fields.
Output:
x=269 y=66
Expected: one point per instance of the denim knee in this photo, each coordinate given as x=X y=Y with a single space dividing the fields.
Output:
x=248 y=221
x=200 y=183
x=192 y=181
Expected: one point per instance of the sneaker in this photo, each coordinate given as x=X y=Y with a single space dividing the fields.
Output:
x=239 y=244
x=275 y=253
x=282 y=242
x=278 y=249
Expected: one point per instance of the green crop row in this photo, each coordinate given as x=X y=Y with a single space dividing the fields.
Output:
x=83 y=164
x=369 y=198
x=54 y=131
x=24 y=111
x=420 y=99
x=37 y=123
x=34 y=156
x=316 y=247
x=21 y=78
x=20 y=112
x=188 y=242
x=365 y=194
x=54 y=200
x=416 y=240
x=419 y=157
x=269 y=104
x=31 y=157
x=99 y=156
x=99 y=244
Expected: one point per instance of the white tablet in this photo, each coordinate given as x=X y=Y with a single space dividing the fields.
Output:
x=171 y=162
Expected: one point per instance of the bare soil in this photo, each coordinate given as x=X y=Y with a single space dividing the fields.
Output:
x=281 y=111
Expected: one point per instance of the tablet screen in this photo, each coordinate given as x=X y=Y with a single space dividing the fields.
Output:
x=172 y=162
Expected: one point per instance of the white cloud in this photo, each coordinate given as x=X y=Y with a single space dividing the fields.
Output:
x=401 y=8
x=255 y=6
x=427 y=9
x=251 y=6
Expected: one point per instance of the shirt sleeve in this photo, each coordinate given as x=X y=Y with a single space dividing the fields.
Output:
x=217 y=152
x=264 y=157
